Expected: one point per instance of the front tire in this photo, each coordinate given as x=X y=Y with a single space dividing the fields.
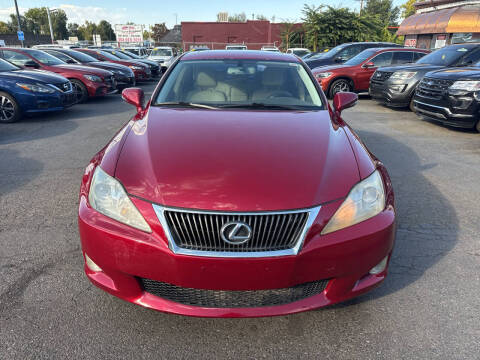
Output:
x=411 y=105
x=9 y=110
x=340 y=85
x=478 y=126
x=79 y=90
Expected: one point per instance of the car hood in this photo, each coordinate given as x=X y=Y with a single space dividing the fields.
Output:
x=164 y=58
x=148 y=62
x=34 y=75
x=237 y=160
x=84 y=69
x=465 y=73
x=108 y=65
x=412 y=67
x=313 y=63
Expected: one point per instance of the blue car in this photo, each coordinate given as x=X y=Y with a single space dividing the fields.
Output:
x=31 y=91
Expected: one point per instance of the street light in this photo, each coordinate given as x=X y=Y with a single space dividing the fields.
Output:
x=50 y=21
x=18 y=19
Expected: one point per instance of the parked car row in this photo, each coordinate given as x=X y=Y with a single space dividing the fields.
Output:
x=52 y=79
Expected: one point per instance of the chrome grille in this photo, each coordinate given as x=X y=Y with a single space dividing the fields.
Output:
x=198 y=232
x=433 y=88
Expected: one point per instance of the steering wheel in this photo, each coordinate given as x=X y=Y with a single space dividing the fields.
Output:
x=279 y=93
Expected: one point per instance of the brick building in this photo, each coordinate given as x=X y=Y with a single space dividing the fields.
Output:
x=216 y=35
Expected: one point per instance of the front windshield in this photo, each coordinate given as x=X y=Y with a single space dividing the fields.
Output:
x=119 y=54
x=361 y=57
x=161 y=52
x=79 y=56
x=6 y=66
x=44 y=58
x=332 y=52
x=236 y=48
x=445 y=56
x=108 y=55
x=240 y=83
x=301 y=53
x=130 y=54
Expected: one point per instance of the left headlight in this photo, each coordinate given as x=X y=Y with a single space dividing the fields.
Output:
x=109 y=198
x=403 y=75
x=365 y=200
x=93 y=78
x=466 y=85
x=136 y=67
x=38 y=88
x=323 y=75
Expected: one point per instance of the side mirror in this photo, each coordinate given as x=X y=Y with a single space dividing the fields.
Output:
x=339 y=60
x=368 y=65
x=31 y=63
x=135 y=97
x=344 y=100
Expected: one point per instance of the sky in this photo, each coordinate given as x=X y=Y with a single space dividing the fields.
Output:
x=150 y=12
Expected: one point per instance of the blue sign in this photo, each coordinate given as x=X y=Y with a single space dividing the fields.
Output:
x=20 y=35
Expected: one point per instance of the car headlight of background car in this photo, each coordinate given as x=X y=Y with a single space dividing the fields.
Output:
x=93 y=78
x=365 y=200
x=323 y=75
x=38 y=88
x=403 y=75
x=466 y=85
x=109 y=198
x=136 y=67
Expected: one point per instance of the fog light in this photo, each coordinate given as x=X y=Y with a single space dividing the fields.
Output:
x=377 y=269
x=92 y=266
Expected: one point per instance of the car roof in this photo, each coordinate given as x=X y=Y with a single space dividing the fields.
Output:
x=247 y=54
x=398 y=49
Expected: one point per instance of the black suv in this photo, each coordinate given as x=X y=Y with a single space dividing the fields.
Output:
x=450 y=96
x=341 y=53
x=395 y=86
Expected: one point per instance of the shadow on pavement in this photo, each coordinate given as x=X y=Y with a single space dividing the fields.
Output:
x=25 y=170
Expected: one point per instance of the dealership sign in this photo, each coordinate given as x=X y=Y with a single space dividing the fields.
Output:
x=129 y=33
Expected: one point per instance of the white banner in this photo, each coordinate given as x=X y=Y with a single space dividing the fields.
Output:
x=129 y=33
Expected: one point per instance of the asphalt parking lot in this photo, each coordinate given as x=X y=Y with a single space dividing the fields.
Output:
x=427 y=308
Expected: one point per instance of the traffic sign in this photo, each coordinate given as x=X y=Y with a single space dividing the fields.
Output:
x=20 y=35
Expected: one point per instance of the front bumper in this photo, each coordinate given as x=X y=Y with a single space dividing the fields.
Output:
x=142 y=74
x=386 y=95
x=126 y=255
x=447 y=110
x=38 y=103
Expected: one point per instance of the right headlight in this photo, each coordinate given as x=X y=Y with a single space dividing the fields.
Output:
x=136 y=67
x=323 y=75
x=365 y=200
x=37 y=88
x=403 y=75
x=109 y=198
x=467 y=85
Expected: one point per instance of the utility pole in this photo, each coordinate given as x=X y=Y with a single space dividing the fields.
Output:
x=18 y=19
x=50 y=24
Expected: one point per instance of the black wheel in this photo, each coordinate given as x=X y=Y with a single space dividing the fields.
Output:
x=411 y=105
x=340 y=85
x=79 y=91
x=478 y=126
x=9 y=109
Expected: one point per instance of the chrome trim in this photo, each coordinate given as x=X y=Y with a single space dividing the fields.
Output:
x=312 y=215
x=440 y=116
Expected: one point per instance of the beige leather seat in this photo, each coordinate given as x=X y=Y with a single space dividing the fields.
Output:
x=272 y=81
x=205 y=90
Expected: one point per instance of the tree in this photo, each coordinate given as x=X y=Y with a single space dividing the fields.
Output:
x=383 y=10
x=4 y=28
x=37 y=21
x=408 y=9
x=336 y=26
x=261 y=17
x=105 y=30
x=146 y=34
x=73 y=30
x=291 y=34
x=87 y=30
x=238 y=18
x=158 y=31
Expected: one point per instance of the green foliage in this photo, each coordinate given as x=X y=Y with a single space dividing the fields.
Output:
x=408 y=9
x=383 y=10
x=158 y=31
x=4 y=28
x=238 y=18
x=105 y=30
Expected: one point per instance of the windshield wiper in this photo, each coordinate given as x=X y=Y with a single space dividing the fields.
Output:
x=260 y=106
x=187 y=104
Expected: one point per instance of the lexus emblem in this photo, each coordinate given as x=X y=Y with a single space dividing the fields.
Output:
x=236 y=232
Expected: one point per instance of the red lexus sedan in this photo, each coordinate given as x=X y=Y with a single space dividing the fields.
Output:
x=236 y=191
x=354 y=74
x=141 y=71
x=86 y=81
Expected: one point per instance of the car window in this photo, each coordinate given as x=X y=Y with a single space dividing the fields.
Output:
x=119 y=54
x=6 y=66
x=161 y=52
x=418 y=55
x=446 y=56
x=240 y=83
x=383 y=59
x=471 y=58
x=59 y=55
x=348 y=52
x=361 y=57
x=43 y=57
x=402 y=57
x=16 y=58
